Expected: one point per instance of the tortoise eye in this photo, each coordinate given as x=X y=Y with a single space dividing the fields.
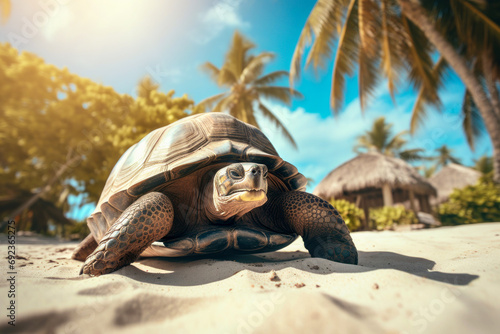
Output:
x=235 y=174
x=265 y=173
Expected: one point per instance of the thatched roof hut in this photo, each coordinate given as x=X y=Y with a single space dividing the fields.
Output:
x=374 y=180
x=451 y=177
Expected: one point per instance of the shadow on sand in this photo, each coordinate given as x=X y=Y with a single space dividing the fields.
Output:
x=184 y=273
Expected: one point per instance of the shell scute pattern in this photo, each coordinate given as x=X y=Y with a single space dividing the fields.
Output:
x=181 y=148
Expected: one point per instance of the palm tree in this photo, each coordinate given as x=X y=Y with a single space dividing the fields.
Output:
x=379 y=138
x=372 y=35
x=400 y=34
x=445 y=156
x=428 y=171
x=241 y=73
x=474 y=40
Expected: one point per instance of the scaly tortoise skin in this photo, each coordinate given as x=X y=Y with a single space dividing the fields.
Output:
x=207 y=184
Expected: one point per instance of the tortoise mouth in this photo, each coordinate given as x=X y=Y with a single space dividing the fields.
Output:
x=247 y=195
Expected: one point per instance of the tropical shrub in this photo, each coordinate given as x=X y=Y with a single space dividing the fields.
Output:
x=351 y=214
x=478 y=203
x=387 y=217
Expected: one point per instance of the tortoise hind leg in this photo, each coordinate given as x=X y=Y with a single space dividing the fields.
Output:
x=148 y=219
x=85 y=248
x=324 y=231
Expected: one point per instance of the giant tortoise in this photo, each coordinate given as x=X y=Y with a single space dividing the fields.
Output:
x=207 y=184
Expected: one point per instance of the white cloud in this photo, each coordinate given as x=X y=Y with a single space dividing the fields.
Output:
x=223 y=14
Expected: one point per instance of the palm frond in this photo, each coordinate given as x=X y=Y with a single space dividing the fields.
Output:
x=255 y=67
x=347 y=50
x=281 y=94
x=324 y=24
x=212 y=70
x=379 y=134
x=368 y=77
x=237 y=109
x=445 y=156
x=419 y=61
x=236 y=56
x=223 y=104
x=428 y=172
x=391 y=44
x=209 y=101
x=422 y=103
x=249 y=111
x=414 y=154
x=473 y=25
x=397 y=141
x=270 y=78
x=271 y=117
x=369 y=27
x=313 y=25
x=226 y=77
x=304 y=40
x=472 y=122
x=364 y=143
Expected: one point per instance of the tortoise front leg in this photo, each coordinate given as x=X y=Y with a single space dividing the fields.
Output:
x=145 y=221
x=324 y=231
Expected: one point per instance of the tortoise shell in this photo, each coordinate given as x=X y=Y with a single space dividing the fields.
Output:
x=179 y=149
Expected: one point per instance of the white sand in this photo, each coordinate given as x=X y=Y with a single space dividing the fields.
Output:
x=444 y=280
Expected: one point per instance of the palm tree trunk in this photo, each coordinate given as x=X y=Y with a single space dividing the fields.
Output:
x=490 y=82
x=415 y=13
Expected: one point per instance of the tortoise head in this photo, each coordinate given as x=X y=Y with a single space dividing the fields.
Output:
x=239 y=188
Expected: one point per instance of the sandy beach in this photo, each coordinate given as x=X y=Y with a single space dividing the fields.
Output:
x=427 y=281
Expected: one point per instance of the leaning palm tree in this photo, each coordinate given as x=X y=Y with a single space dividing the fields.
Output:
x=395 y=35
x=241 y=74
x=379 y=138
x=445 y=156
x=371 y=35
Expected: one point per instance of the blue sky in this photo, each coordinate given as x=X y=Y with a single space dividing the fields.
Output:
x=118 y=42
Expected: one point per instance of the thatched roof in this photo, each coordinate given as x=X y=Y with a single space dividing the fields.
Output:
x=372 y=170
x=451 y=177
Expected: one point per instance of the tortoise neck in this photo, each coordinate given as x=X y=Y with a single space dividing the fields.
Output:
x=213 y=207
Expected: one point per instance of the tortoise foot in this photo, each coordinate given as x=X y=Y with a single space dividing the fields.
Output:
x=324 y=231
x=146 y=220
x=327 y=248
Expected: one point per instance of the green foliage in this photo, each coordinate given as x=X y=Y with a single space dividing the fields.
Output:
x=50 y=118
x=387 y=217
x=351 y=214
x=473 y=204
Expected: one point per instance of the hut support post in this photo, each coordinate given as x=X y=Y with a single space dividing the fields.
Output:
x=358 y=200
x=387 y=194
x=412 y=201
